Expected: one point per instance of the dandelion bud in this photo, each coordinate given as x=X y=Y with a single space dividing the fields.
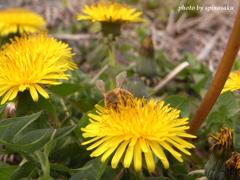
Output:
x=10 y=110
x=147 y=47
x=147 y=64
x=221 y=146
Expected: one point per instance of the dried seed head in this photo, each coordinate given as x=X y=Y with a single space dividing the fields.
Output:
x=221 y=146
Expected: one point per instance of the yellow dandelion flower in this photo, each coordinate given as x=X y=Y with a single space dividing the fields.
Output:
x=233 y=82
x=30 y=62
x=137 y=127
x=15 y=20
x=110 y=12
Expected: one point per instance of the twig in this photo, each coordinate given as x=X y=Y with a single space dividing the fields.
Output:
x=220 y=77
x=170 y=26
x=208 y=48
x=130 y=66
x=99 y=74
x=170 y=76
x=202 y=178
x=181 y=22
x=74 y=37
x=199 y=171
x=207 y=20
x=119 y=175
x=183 y=25
x=154 y=37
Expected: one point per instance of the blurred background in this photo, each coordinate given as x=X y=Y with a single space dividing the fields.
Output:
x=203 y=34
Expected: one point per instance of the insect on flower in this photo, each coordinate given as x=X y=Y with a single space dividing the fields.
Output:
x=118 y=95
x=127 y=128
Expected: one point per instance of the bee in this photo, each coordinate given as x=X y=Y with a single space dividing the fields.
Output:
x=118 y=95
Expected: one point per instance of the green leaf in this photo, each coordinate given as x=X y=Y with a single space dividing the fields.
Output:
x=14 y=136
x=36 y=139
x=74 y=155
x=23 y=171
x=6 y=171
x=46 y=104
x=224 y=113
x=230 y=102
x=84 y=121
x=179 y=171
x=61 y=168
x=157 y=178
x=33 y=140
x=2 y=107
x=86 y=99
x=62 y=132
x=196 y=72
x=12 y=127
x=65 y=89
x=25 y=104
x=236 y=135
x=92 y=170
x=180 y=103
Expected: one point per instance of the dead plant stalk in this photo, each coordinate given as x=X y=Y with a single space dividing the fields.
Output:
x=220 y=77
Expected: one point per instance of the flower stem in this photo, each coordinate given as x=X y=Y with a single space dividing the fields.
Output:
x=139 y=176
x=220 y=77
x=111 y=51
x=112 y=61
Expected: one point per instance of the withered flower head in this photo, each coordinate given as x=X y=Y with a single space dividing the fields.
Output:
x=232 y=166
x=233 y=161
x=221 y=141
